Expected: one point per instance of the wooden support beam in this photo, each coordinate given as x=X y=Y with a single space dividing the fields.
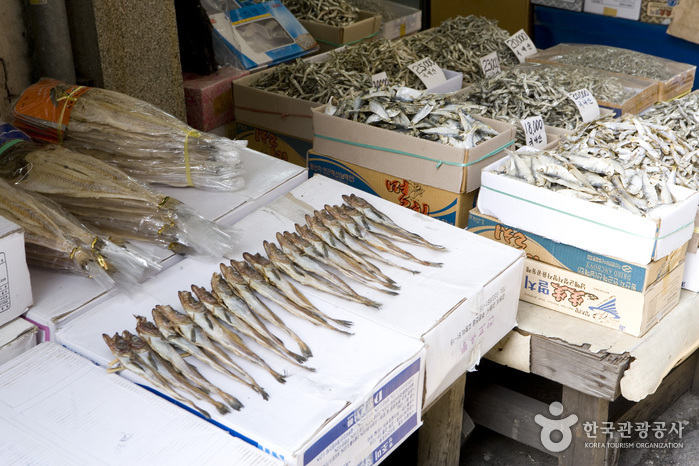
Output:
x=588 y=409
x=595 y=374
x=439 y=437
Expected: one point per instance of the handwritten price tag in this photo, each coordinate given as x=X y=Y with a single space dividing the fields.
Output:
x=534 y=132
x=490 y=64
x=521 y=45
x=429 y=73
x=380 y=79
x=586 y=103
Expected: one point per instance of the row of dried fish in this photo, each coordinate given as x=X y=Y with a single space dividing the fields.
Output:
x=459 y=43
x=331 y=12
x=615 y=59
x=216 y=323
x=141 y=139
x=427 y=116
x=532 y=89
x=625 y=162
x=109 y=200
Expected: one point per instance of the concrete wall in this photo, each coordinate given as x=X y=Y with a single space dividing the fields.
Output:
x=15 y=61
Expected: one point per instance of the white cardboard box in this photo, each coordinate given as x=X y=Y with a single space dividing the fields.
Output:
x=57 y=296
x=690 y=281
x=15 y=289
x=408 y=20
x=597 y=228
x=91 y=417
x=629 y=9
x=367 y=387
x=16 y=337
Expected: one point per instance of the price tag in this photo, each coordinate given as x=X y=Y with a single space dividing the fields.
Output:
x=534 y=132
x=586 y=103
x=380 y=79
x=521 y=45
x=490 y=64
x=429 y=73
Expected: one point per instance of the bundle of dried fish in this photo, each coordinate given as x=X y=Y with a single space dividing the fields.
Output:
x=408 y=111
x=623 y=162
x=459 y=43
x=533 y=89
x=681 y=115
x=331 y=12
x=56 y=239
x=105 y=197
x=144 y=141
x=618 y=60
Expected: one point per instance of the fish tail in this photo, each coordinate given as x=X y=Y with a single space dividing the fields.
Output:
x=221 y=408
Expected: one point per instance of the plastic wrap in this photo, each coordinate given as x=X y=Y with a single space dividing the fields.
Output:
x=144 y=141
x=105 y=197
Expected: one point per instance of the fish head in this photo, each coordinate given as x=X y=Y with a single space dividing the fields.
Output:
x=164 y=324
x=231 y=275
x=146 y=328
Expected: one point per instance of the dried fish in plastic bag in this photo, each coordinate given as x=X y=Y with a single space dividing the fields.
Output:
x=144 y=141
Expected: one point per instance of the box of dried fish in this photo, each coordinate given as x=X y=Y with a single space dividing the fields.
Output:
x=421 y=137
x=600 y=302
x=617 y=272
x=573 y=5
x=365 y=27
x=673 y=78
x=16 y=337
x=437 y=203
x=594 y=220
x=15 y=287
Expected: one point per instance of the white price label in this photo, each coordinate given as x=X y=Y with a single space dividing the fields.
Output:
x=429 y=73
x=586 y=103
x=521 y=45
x=380 y=79
x=534 y=132
x=490 y=64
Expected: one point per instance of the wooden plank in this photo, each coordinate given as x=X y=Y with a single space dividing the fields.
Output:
x=595 y=374
x=695 y=383
x=508 y=413
x=439 y=437
x=677 y=382
x=588 y=409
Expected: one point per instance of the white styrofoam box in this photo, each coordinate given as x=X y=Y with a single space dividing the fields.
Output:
x=58 y=296
x=366 y=388
x=15 y=288
x=89 y=416
x=597 y=228
x=16 y=337
x=629 y=9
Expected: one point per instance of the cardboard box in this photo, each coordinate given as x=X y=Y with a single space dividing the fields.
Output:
x=16 y=337
x=257 y=34
x=573 y=5
x=511 y=15
x=15 y=287
x=427 y=162
x=209 y=99
x=596 y=301
x=329 y=37
x=680 y=83
x=366 y=389
x=282 y=126
x=658 y=11
x=634 y=277
x=87 y=417
x=597 y=228
x=629 y=9
x=407 y=20
x=690 y=281
x=437 y=203
x=61 y=297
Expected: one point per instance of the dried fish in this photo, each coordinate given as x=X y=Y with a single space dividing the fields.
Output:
x=331 y=12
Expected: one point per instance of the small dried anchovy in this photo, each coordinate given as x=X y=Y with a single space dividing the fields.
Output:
x=617 y=60
x=459 y=43
x=529 y=90
x=434 y=117
x=378 y=7
x=331 y=12
x=681 y=115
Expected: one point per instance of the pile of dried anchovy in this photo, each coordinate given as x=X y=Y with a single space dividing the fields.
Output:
x=459 y=43
x=682 y=115
x=378 y=7
x=331 y=12
x=617 y=60
x=427 y=116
